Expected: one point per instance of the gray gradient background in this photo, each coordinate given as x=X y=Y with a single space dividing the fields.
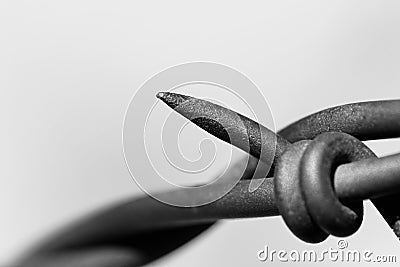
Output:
x=68 y=70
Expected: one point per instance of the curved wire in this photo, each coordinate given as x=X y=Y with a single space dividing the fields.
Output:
x=365 y=121
x=126 y=234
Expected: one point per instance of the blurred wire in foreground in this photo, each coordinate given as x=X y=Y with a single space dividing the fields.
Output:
x=326 y=166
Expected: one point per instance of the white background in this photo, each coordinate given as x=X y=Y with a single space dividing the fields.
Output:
x=69 y=69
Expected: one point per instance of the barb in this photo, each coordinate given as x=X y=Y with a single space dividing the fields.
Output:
x=214 y=119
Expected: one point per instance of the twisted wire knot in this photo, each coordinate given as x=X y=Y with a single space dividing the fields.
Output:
x=304 y=190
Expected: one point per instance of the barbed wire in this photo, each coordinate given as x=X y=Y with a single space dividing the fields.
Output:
x=320 y=174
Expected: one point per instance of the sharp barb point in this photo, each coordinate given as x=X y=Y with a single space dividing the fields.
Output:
x=160 y=95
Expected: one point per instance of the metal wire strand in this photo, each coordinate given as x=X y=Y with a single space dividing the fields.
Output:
x=129 y=231
x=365 y=120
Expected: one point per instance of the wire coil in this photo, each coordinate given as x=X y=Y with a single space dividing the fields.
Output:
x=304 y=187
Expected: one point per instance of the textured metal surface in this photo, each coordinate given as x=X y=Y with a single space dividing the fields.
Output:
x=289 y=196
x=321 y=158
x=229 y=126
x=124 y=234
x=365 y=121
x=379 y=119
